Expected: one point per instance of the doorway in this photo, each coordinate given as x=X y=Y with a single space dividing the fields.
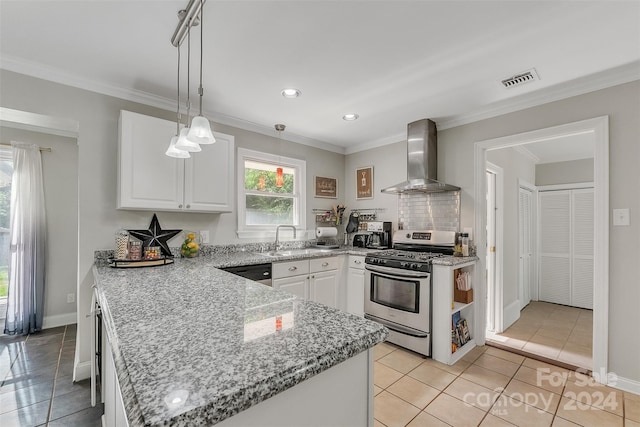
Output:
x=598 y=128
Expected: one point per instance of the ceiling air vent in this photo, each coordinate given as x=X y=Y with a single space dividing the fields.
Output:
x=521 y=78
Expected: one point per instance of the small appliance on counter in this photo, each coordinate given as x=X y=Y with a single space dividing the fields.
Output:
x=380 y=235
x=360 y=240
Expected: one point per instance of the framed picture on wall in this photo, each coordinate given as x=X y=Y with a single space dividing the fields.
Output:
x=364 y=183
x=326 y=187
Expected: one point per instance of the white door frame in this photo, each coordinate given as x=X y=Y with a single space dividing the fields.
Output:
x=495 y=298
x=599 y=127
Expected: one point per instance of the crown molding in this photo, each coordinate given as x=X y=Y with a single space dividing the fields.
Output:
x=616 y=76
x=528 y=154
x=613 y=77
x=609 y=78
x=37 y=70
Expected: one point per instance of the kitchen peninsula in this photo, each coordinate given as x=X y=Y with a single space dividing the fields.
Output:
x=194 y=345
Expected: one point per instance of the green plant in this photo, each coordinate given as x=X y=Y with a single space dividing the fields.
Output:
x=4 y=281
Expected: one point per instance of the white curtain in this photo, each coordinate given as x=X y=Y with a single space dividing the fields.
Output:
x=25 y=300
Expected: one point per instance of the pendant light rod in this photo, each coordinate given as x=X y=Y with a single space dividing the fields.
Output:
x=187 y=21
x=188 y=76
x=178 y=117
x=200 y=89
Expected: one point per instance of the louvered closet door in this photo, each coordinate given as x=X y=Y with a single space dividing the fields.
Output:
x=555 y=247
x=582 y=245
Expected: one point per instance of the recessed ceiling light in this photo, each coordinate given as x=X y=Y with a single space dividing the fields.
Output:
x=290 y=93
x=350 y=117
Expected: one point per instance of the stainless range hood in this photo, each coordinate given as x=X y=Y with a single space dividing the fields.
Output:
x=422 y=161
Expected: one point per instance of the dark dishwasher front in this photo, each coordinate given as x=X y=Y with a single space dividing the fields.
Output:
x=260 y=273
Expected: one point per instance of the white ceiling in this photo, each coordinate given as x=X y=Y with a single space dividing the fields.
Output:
x=392 y=62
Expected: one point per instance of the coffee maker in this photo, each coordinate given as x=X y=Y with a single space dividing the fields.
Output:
x=380 y=235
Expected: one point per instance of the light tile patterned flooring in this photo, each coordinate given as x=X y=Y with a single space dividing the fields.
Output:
x=555 y=332
x=492 y=387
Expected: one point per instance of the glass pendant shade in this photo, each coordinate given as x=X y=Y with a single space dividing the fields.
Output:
x=200 y=131
x=172 y=151
x=185 y=144
x=279 y=177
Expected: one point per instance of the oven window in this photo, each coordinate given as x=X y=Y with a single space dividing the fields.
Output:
x=396 y=293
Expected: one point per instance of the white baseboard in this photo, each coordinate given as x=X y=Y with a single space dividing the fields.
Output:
x=49 y=322
x=625 y=384
x=511 y=314
x=82 y=371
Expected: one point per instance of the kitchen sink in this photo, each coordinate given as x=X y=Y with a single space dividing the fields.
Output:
x=294 y=252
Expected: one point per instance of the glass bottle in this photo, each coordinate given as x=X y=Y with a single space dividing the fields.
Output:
x=122 y=243
x=465 y=244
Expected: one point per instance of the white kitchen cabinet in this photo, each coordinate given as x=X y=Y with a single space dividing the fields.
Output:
x=314 y=279
x=150 y=180
x=296 y=285
x=355 y=285
x=114 y=412
x=444 y=308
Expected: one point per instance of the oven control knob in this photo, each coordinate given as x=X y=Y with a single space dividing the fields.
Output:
x=414 y=266
x=408 y=235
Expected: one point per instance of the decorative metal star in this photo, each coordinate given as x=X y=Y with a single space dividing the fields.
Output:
x=155 y=236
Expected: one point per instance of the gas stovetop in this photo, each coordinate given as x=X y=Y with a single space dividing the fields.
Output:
x=414 y=249
x=406 y=260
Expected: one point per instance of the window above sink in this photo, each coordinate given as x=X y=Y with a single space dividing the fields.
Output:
x=264 y=200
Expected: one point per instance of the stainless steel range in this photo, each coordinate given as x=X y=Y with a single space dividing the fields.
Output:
x=398 y=286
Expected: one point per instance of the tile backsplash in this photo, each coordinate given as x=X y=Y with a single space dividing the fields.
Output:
x=430 y=211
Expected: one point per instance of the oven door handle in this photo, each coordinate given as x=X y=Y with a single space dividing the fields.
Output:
x=396 y=272
x=397 y=327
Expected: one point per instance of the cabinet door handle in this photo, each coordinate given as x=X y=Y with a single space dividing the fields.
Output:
x=188 y=206
x=180 y=206
x=357 y=261
x=294 y=268
x=324 y=264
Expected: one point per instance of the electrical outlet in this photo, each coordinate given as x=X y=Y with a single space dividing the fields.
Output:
x=71 y=298
x=204 y=236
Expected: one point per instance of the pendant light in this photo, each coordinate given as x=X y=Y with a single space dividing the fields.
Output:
x=200 y=131
x=173 y=151
x=279 y=170
x=183 y=142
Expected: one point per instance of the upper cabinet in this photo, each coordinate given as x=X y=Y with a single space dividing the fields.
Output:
x=150 y=180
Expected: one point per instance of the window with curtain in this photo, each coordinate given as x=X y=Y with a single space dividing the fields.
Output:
x=25 y=297
x=6 y=172
x=271 y=192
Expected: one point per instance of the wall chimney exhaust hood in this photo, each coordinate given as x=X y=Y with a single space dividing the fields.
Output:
x=422 y=161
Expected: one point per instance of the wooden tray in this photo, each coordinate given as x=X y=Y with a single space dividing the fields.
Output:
x=128 y=263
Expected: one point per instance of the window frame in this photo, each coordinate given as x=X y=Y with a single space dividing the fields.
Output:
x=245 y=231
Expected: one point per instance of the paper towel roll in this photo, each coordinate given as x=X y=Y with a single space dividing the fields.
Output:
x=326 y=232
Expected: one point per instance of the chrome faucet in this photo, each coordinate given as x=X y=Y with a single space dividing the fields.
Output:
x=277 y=244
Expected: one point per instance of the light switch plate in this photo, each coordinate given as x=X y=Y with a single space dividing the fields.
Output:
x=204 y=236
x=621 y=217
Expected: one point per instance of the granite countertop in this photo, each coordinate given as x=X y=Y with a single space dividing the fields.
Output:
x=195 y=345
x=232 y=259
x=454 y=260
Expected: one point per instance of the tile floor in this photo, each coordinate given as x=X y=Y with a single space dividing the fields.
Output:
x=552 y=331
x=37 y=386
x=492 y=387
x=488 y=387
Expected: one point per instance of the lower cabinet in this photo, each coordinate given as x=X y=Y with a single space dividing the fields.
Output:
x=114 y=413
x=355 y=285
x=314 y=279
